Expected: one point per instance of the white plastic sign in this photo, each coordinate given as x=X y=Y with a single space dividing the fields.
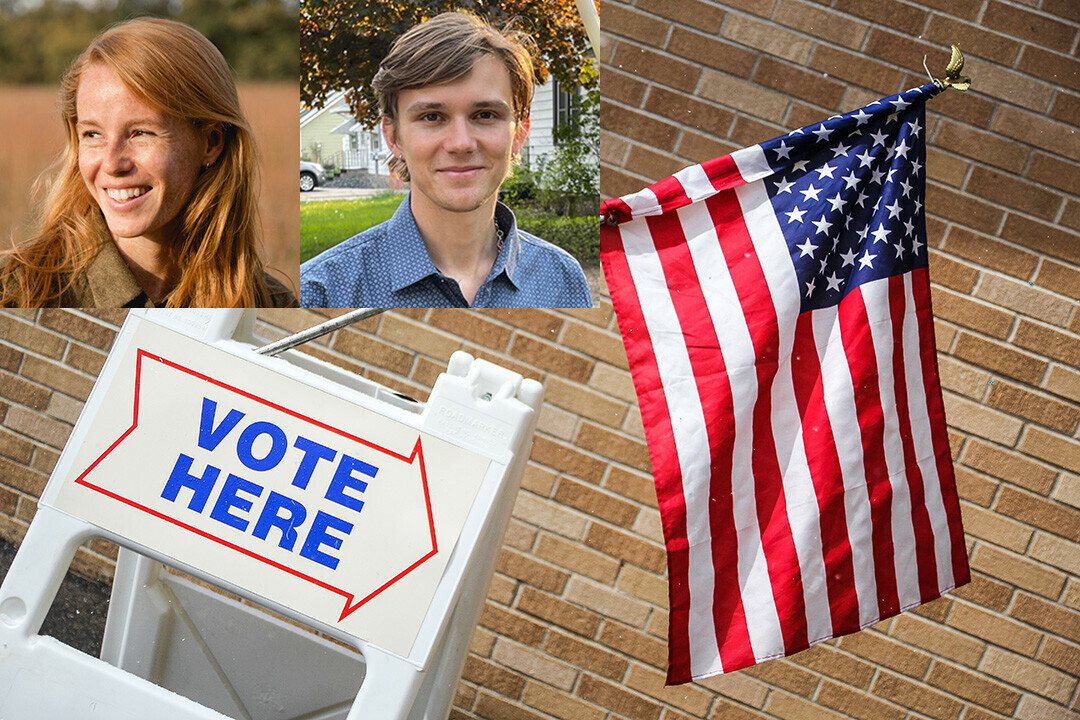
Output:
x=285 y=490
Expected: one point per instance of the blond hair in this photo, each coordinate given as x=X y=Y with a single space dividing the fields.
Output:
x=445 y=48
x=172 y=67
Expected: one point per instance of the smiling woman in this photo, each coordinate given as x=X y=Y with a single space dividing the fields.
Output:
x=154 y=202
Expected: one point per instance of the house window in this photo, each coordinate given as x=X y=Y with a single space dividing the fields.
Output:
x=567 y=106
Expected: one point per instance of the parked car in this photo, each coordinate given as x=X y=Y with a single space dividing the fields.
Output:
x=311 y=175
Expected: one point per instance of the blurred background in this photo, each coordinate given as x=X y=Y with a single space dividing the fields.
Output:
x=40 y=38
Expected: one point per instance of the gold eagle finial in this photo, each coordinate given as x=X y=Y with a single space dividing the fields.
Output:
x=953 y=78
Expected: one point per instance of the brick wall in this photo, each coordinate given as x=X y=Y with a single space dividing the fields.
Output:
x=688 y=80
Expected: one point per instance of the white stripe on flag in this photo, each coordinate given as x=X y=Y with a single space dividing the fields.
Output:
x=839 y=393
x=876 y=297
x=688 y=430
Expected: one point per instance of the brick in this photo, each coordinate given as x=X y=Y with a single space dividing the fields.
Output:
x=613 y=150
x=1035 y=130
x=1057 y=552
x=558 y=612
x=1009 y=466
x=596 y=502
x=650 y=683
x=615 y=183
x=974 y=487
x=1053 y=617
x=586 y=655
x=767 y=37
x=620 y=20
x=795 y=81
x=622 y=87
x=17 y=448
x=898 y=16
x=1065 y=9
x=995 y=527
x=1066 y=108
x=418 y=336
x=917 y=697
x=37 y=426
x=616 y=699
x=1028 y=674
x=551 y=358
x=10 y=358
x=568 y=460
x=631 y=485
x=962 y=378
x=1055 y=171
x=971 y=686
x=791 y=707
x=652 y=163
x=24 y=392
x=963 y=414
x=855 y=704
x=998 y=48
x=994 y=628
x=599 y=344
x=972 y=313
x=538 y=321
x=1046 y=411
x=561 y=705
x=1070 y=216
x=491 y=676
x=507 y=623
x=1025 y=299
x=572 y=556
x=709 y=52
x=548 y=515
x=946 y=169
x=787 y=675
x=904 y=51
x=1000 y=358
x=20 y=332
x=626 y=547
x=1052 y=449
x=980 y=145
x=491 y=707
x=1036 y=29
x=938 y=640
x=1017 y=570
x=951 y=273
x=85 y=360
x=472 y=326
x=964 y=209
x=1048 y=341
x=706 y=16
x=78 y=327
x=1063 y=656
x=744 y=96
x=609 y=602
x=634 y=643
x=614 y=446
x=986 y=592
x=22 y=478
x=534 y=664
x=531 y=571
x=990 y=252
x=556 y=422
x=739 y=687
x=1042 y=238
x=1040 y=512
x=856 y=69
x=1036 y=708
x=650 y=587
x=1013 y=192
x=651 y=65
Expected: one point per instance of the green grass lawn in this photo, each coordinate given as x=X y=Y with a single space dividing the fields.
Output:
x=325 y=223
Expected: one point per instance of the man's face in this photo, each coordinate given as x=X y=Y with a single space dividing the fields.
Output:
x=458 y=138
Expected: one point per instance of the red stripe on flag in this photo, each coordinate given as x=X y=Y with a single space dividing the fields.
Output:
x=824 y=464
x=670 y=193
x=925 y=560
x=757 y=307
x=862 y=359
x=935 y=407
x=662 y=452
x=714 y=392
x=723 y=172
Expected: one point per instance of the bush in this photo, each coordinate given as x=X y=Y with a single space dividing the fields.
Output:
x=579 y=236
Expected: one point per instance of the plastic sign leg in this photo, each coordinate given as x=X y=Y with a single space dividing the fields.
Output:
x=390 y=686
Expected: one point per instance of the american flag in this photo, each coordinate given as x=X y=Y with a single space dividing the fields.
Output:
x=775 y=305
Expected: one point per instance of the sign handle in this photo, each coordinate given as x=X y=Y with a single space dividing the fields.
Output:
x=319 y=330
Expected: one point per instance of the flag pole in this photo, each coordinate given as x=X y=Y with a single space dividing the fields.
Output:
x=589 y=16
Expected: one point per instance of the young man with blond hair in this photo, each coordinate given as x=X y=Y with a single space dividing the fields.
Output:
x=455 y=95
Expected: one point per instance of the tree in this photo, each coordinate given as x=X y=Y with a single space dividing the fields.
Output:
x=342 y=42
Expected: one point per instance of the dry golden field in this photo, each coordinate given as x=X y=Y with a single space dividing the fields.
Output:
x=34 y=138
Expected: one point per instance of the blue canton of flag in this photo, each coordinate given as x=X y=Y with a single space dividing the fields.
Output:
x=844 y=193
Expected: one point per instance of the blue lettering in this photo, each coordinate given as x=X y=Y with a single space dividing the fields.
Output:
x=279 y=444
x=313 y=453
x=200 y=486
x=318 y=536
x=209 y=436
x=228 y=499
x=271 y=516
x=344 y=478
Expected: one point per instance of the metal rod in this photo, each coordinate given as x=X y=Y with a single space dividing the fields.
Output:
x=319 y=330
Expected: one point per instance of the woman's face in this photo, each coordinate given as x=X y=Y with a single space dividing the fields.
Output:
x=139 y=164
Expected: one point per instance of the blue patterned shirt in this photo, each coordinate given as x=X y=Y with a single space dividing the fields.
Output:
x=389 y=266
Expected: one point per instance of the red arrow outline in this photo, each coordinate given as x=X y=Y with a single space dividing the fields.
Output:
x=416 y=454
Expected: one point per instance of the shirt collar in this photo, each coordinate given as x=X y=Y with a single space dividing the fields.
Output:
x=111 y=282
x=412 y=263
